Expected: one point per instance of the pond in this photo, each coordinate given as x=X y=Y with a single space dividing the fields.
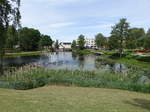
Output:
x=68 y=60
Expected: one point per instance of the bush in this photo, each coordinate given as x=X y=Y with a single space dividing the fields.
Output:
x=143 y=58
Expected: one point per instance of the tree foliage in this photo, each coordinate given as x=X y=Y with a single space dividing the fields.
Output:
x=134 y=40
x=147 y=40
x=9 y=15
x=81 y=42
x=57 y=44
x=46 y=41
x=29 y=39
x=12 y=37
x=100 y=40
x=73 y=45
x=113 y=43
x=121 y=32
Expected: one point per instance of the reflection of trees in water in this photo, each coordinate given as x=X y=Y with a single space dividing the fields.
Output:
x=74 y=56
x=81 y=59
x=98 y=64
x=44 y=60
x=110 y=65
x=103 y=63
x=121 y=69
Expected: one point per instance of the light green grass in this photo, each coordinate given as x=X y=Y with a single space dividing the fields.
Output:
x=73 y=99
x=26 y=53
x=134 y=62
x=129 y=60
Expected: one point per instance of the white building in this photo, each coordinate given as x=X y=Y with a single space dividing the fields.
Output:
x=65 y=45
x=90 y=43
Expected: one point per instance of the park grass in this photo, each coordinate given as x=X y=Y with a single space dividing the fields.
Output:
x=32 y=53
x=82 y=52
x=73 y=99
x=130 y=59
x=133 y=62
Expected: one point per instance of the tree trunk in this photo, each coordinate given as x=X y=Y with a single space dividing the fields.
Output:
x=1 y=65
x=121 y=48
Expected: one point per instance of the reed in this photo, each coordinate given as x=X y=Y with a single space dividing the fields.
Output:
x=29 y=77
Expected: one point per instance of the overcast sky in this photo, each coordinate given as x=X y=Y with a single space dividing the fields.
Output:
x=66 y=19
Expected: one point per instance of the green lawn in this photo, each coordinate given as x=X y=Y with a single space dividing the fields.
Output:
x=134 y=62
x=26 y=53
x=73 y=99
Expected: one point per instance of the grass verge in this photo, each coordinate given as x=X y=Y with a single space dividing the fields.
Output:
x=73 y=99
x=26 y=53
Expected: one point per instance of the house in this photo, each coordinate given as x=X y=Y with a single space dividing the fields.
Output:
x=65 y=45
x=90 y=43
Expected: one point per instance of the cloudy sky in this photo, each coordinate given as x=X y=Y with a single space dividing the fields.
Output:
x=66 y=19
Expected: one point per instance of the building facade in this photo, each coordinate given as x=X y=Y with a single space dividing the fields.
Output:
x=65 y=45
x=90 y=43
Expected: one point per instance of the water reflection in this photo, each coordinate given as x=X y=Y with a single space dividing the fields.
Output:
x=81 y=61
x=69 y=60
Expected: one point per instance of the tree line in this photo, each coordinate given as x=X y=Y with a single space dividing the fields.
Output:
x=26 y=39
x=9 y=14
x=122 y=37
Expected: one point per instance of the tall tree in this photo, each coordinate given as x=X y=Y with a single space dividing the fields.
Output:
x=73 y=45
x=113 y=43
x=147 y=40
x=100 y=40
x=12 y=37
x=57 y=44
x=9 y=15
x=46 y=41
x=29 y=39
x=134 y=40
x=148 y=32
x=81 y=42
x=121 y=32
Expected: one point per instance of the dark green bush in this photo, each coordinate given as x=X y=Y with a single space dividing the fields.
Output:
x=143 y=58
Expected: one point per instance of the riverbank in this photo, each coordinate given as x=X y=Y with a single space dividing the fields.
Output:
x=73 y=99
x=26 y=53
x=82 y=52
x=33 y=77
x=131 y=58
x=133 y=62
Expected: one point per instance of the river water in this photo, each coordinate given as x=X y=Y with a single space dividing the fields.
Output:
x=68 y=60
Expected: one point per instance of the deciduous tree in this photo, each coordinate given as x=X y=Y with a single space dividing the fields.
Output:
x=73 y=45
x=9 y=15
x=81 y=42
x=100 y=40
x=121 y=32
x=57 y=44
x=46 y=41
x=29 y=39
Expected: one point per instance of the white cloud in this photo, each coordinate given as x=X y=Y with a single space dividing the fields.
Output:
x=60 y=25
x=66 y=19
x=96 y=26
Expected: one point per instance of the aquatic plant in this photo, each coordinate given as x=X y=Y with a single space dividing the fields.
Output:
x=29 y=77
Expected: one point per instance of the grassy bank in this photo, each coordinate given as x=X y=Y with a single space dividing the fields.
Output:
x=26 y=53
x=82 y=52
x=130 y=58
x=28 y=78
x=73 y=99
x=134 y=62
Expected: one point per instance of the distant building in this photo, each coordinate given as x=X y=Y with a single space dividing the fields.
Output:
x=90 y=43
x=65 y=45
